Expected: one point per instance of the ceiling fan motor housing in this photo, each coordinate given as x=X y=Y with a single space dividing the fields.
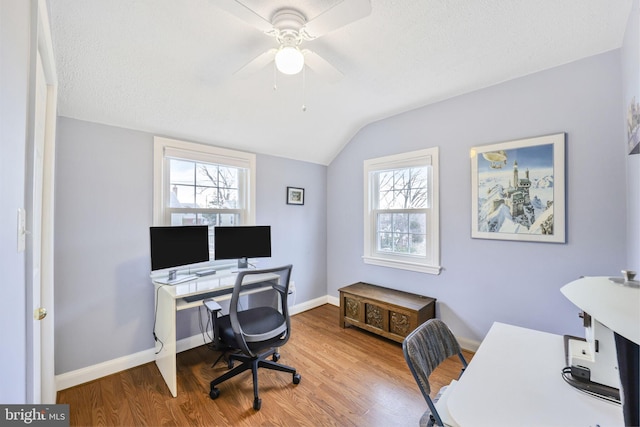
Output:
x=288 y=23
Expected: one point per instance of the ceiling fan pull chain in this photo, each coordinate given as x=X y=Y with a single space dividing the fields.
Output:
x=275 y=77
x=304 y=80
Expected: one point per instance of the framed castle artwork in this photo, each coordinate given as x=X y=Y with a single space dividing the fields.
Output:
x=518 y=190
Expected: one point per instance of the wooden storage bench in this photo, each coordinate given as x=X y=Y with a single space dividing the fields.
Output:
x=387 y=312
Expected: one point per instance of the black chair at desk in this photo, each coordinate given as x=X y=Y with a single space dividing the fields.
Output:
x=256 y=332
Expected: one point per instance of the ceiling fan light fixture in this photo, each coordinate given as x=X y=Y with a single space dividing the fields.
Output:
x=289 y=60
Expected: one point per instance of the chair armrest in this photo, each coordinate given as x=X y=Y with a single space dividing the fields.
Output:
x=212 y=305
x=278 y=288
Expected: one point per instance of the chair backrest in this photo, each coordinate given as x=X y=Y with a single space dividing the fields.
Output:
x=275 y=324
x=426 y=347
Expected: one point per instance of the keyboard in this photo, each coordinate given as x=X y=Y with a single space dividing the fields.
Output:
x=218 y=292
x=205 y=273
x=178 y=280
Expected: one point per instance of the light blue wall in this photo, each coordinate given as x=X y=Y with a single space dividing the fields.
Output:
x=104 y=185
x=301 y=230
x=486 y=280
x=103 y=210
x=15 y=17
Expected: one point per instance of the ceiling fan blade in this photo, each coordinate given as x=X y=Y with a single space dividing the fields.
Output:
x=256 y=63
x=343 y=13
x=319 y=65
x=245 y=14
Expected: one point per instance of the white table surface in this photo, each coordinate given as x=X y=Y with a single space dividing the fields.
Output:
x=515 y=379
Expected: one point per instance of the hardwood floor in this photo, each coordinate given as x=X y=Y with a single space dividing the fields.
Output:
x=349 y=378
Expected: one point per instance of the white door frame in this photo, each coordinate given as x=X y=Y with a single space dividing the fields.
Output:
x=41 y=386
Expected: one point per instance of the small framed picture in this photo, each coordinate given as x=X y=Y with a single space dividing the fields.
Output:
x=295 y=196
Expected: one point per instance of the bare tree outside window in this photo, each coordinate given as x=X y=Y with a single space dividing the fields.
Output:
x=402 y=194
x=401 y=215
x=204 y=193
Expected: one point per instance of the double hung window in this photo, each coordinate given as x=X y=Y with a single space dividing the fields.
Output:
x=401 y=211
x=197 y=184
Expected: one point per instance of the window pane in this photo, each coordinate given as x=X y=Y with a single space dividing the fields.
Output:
x=181 y=172
x=401 y=243
x=206 y=219
x=400 y=178
x=402 y=233
x=385 y=200
x=418 y=185
x=400 y=223
x=392 y=200
x=206 y=197
x=182 y=196
x=385 y=242
x=210 y=219
x=229 y=219
x=402 y=188
x=228 y=177
x=230 y=199
x=385 y=222
x=418 y=223
x=418 y=198
x=202 y=185
x=385 y=180
x=399 y=199
x=418 y=244
x=184 y=219
x=418 y=229
x=207 y=175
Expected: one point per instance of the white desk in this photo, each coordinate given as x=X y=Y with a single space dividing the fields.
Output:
x=515 y=379
x=169 y=300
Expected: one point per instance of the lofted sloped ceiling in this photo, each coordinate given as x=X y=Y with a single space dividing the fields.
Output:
x=168 y=67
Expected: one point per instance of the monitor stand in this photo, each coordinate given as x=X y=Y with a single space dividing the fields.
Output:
x=173 y=274
x=243 y=262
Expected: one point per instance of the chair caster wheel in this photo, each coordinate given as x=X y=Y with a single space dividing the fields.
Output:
x=230 y=364
x=257 y=403
x=214 y=393
x=275 y=357
x=296 y=378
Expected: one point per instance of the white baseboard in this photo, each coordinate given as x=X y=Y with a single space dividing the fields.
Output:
x=90 y=373
x=308 y=305
x=333 y=300
x=468 y=344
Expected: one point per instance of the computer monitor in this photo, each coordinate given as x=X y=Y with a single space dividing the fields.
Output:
x=242 y=242
x=178 y=246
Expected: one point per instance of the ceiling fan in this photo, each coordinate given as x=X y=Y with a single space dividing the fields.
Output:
x=290 y=28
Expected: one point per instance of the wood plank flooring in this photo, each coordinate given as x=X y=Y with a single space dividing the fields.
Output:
x=349 y=378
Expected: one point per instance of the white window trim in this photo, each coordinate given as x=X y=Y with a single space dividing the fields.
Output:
x=200 y=152
x=415 y=158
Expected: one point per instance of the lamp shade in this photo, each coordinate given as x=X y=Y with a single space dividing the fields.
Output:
x=289 y=60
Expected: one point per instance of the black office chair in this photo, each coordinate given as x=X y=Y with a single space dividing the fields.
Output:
x=255 y=332
x=424 y=349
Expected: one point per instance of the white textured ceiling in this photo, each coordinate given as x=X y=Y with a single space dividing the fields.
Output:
x=167 y=66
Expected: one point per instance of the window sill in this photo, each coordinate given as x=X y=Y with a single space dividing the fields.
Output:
x=403 y=265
